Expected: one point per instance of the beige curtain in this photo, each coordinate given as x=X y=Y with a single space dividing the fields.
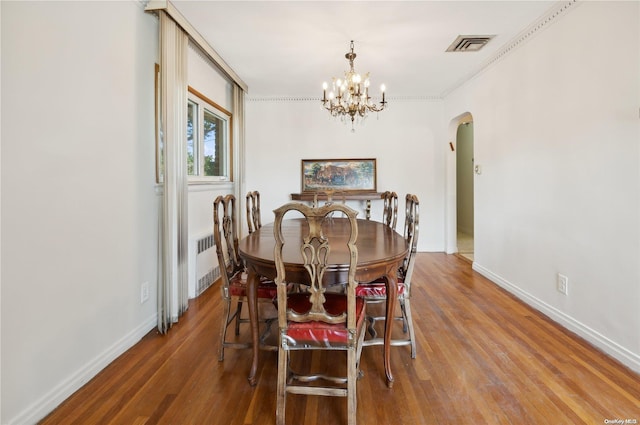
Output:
x=172 y=282
x=239 y=146
x=175 y=32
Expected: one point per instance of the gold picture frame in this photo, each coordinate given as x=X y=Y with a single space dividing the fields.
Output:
x=339 y=175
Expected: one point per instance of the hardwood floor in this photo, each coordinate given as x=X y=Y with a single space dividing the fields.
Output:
x=483 y=358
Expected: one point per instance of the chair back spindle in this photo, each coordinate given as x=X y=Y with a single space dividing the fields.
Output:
x=254 y=221
x=315 y=253
x=225 y=235
x=390 y=209
x=411 y=230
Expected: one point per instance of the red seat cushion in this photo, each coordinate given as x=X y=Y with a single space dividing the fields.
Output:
x=238 y=287
x=319 y=333
x=377 y=288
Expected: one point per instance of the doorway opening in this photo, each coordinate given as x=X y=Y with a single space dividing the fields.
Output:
x=465 y=190
x=459 y=207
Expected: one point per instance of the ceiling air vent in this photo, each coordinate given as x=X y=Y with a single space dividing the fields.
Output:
x=469 y=43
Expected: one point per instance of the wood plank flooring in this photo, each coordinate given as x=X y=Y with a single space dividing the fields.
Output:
x=483 y=358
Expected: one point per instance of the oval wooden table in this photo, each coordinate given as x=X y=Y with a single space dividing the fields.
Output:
x=380 y=253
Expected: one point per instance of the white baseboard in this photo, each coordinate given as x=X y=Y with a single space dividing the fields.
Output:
x=613 y=349
x=47 y=403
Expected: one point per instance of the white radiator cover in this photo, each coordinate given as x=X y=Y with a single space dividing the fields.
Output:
x=203 y=265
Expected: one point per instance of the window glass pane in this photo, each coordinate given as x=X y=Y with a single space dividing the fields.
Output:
x=192 y=137
x=208 y=140
x=213 y=145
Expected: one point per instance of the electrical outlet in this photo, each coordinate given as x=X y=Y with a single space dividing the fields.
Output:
x=563 y=284
x=144 y=292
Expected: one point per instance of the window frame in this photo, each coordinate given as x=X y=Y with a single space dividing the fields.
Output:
x=226 y=117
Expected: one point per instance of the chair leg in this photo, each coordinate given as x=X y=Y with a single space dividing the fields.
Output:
x=371 y=327
x=352 y=376
x=223 y=331
x=238 y=313
x=403 y=310
x=407 y=309
x=372 y=319
x=359 y=353
x=281 y=396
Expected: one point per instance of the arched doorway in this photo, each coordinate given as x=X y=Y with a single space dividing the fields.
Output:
x=464 y=120
x=464 y=190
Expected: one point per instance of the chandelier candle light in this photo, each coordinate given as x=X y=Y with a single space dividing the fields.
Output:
x=350 y=97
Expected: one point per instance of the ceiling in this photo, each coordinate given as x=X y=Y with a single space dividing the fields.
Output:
x=289 y=48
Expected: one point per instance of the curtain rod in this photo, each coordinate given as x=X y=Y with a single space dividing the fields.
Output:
x=194 y=35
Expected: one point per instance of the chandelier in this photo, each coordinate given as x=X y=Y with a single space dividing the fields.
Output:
x=349 y=97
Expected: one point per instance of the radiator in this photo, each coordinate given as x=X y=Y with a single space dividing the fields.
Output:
x=203 y=264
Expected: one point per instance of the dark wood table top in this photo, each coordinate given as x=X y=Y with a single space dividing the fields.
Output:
x=377 y=246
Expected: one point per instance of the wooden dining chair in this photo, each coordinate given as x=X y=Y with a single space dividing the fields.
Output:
x=390 y=209
x=317 y=319
x=232 y=273
x=253 y=211
x=375 y=292
x=330 y=196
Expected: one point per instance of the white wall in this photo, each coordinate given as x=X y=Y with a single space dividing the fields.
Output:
x=79 y=206
x=556 y=131
x=408 y=141
x=207 y=79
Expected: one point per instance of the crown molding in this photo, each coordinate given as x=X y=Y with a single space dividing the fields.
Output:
x=318 y=99
x=282 y=99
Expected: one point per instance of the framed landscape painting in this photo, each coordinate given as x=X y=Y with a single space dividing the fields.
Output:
x=344 y=175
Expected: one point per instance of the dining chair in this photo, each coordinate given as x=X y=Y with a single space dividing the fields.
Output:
x=316 y=319
x=329 y=195
x=232 y=273
x=390 y=209
x=375 y=292
x=253 y=211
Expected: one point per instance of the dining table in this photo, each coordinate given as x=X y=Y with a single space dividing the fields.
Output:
x=381 y=251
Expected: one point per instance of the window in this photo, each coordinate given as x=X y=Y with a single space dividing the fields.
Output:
x=208 y=140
